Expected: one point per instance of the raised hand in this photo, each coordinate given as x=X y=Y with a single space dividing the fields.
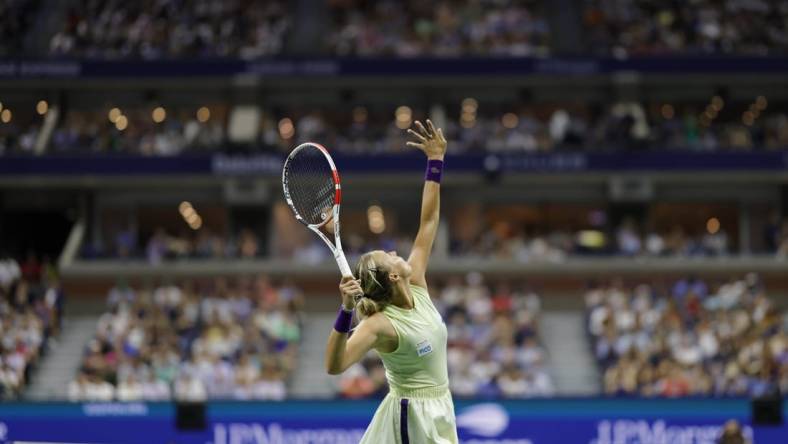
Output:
x=430 y=140
x=349 y=288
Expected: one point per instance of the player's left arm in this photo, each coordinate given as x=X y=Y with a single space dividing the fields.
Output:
x=432 y=142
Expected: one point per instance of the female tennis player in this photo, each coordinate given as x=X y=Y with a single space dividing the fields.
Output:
x=401 y=323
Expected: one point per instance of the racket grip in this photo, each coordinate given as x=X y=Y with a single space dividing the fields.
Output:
x=344 y=268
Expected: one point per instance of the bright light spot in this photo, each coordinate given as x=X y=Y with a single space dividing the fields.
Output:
x=469 y=105
x=42 y=107
x=113 y=115
x=184 y=207
x=121 y=123
x=510 y=120
x=196 y=223
x=6 y=115
x=377 y=223
x=404 y=116
x=667 y=111
x=761 y=103
x=286 y=128
x=192 y=217
x=159 y=114
x=203 y=114
x=713 y=225
x=717 y=103
x=591 y=239
x=359 y=114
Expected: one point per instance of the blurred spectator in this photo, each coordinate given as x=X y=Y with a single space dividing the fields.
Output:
x=730 y=342
x=230 y=339
x=17 y=18
x=19 y=135
x=173 y=29
x=31 y=304
x=732 y=434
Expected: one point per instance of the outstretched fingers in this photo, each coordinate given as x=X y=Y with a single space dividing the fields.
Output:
x=417 y=135
x=440 y=135
x=423 y=130
x=431 y=127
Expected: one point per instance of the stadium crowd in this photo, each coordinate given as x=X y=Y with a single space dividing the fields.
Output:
x=493 y=344
x=502 y=28
x=31 y=305
x=18 y=135
x=511 y=241
x=509 y=28
x=172 y=29
x=624 y=27
x=493 y=128
x=691 y=340
x=138 y=132
x=225 y=339
x=162 y=245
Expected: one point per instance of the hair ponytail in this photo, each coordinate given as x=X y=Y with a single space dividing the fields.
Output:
x=375 y=284
x=366 y=307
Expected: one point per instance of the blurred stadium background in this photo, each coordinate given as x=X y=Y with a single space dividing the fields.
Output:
x=613 y=257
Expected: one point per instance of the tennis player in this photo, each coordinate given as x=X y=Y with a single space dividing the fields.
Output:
x=401 y=323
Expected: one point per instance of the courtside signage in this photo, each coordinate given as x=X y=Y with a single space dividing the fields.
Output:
x=582 y=421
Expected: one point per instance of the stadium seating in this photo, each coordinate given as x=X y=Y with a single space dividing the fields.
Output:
x=472 y=127
x=625 y=28
x=31 y=304
x=694 y=339
x=206 y=28
x=225 y=339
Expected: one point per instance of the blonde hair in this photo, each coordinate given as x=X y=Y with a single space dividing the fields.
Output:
x=375 y=284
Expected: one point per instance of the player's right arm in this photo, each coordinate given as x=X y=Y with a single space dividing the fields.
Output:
x=342 y=352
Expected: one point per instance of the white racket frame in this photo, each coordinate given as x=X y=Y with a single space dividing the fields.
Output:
x=336 y=247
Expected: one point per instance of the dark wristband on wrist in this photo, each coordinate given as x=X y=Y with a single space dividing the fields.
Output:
x=344 y=319
x=434 y=170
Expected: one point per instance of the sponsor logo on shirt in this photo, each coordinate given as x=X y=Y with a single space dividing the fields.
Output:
x=423 y=348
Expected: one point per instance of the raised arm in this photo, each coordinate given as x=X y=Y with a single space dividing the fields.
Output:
x=433 y=144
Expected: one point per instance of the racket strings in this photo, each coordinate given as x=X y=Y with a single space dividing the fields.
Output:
x=311 y=185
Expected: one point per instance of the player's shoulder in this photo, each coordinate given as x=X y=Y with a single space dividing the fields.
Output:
x=378 y=323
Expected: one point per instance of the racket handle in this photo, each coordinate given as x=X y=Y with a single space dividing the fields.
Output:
x=344 y=268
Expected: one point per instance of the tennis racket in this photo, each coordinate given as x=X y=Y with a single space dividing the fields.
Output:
x=311 y=184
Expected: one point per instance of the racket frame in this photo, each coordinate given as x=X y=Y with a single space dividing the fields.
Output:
x=336 y=247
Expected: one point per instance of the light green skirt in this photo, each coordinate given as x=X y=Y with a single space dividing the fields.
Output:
x=423 y=416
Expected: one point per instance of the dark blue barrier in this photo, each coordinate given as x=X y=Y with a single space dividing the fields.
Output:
x=570 y=66
x=586 y=421
x=271 y=164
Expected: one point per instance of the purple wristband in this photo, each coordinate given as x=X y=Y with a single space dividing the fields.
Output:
x=434 y=170
x=344 y=319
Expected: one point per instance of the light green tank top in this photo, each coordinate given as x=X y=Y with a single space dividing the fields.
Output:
x=420 y=358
